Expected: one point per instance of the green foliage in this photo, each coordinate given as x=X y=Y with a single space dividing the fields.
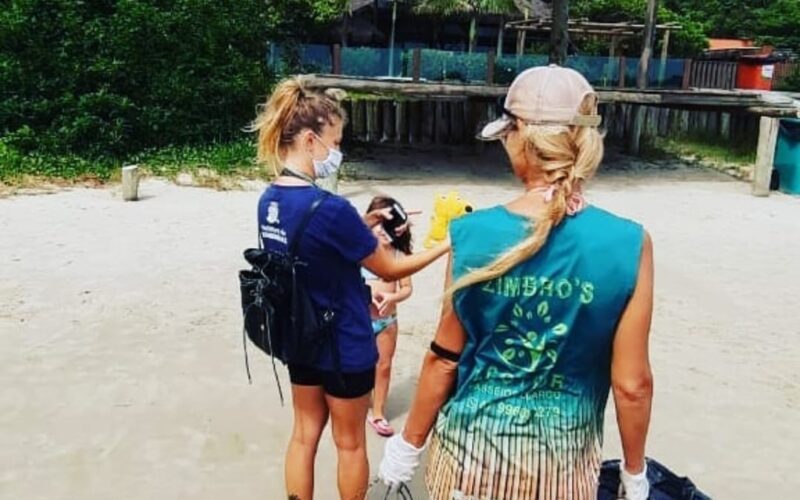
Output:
x=235 y=158
x=449 y=7
x=709 y=148
x=105 y=79
x=687 y=42
x=766 y=21
x=14 y=164
x=231 y=158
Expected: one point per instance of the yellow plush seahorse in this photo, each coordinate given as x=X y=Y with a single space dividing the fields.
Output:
x=445 y=209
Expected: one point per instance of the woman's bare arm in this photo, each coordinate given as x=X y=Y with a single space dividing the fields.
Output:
x=391 y=267
x=631 y=378
x=438 y=375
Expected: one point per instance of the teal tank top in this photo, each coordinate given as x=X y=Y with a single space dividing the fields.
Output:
x=526 y=418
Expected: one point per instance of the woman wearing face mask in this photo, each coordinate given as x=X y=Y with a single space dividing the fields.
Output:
x=299 y=134
x=549 y=308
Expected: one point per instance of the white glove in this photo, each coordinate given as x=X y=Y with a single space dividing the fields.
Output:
x=400 y=460
x=636 y=487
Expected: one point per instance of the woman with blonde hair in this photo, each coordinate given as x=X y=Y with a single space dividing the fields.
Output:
x=548 y=308
x=299 y=134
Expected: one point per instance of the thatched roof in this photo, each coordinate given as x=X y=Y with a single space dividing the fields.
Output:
x=537 y=9
x=359 y=4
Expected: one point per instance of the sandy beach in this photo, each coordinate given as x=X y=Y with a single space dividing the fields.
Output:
x=123 y=372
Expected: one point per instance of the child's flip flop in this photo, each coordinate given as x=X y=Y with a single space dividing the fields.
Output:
x=381 y=426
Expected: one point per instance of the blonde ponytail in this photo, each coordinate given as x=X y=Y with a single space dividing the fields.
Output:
x=567 y=157
x=291 y=108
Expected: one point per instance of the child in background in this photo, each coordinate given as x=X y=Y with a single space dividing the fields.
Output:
x=383 y=310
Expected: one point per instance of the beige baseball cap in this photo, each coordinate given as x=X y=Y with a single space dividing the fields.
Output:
x=545 y=95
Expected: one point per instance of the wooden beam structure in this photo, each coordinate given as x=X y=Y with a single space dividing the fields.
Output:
x=437 y=111
x=598 y=28
x=711 y=99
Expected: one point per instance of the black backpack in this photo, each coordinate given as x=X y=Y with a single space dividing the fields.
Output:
x=279 y=315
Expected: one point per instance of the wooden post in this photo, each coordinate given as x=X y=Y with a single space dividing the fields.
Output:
x=428 y=121
x=622 y=119
x=653 y=121
x=457 y=122
x=635 y=136
x=662 y=71
x=687 y=74
x=612 y=53
x=683 y=121
x=388 y=115
x=765 y=157
x=663 y=122
x=372 y=113
x=336 y=59
x=490 y=57
x=622 y=70
x=712 y=125
x=501 y=32
x=400 y=123
x=647 y=46
x=414 y=122
x=702 y=122
x=442 y=122
x=521 y=38
x=725 y=126
x=358 y=119
x=130 y=182
x=416 y=64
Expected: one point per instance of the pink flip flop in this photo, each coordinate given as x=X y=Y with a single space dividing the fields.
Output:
x=381 y=426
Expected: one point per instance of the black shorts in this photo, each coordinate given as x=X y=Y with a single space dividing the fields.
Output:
x=346 y=386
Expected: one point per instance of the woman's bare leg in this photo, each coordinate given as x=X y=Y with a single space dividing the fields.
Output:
x=310 y=418
x=348 y=418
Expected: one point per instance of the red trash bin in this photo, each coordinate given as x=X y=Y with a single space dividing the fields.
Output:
x=755 y=73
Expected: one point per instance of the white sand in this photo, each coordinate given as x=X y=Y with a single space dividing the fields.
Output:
x=121 y=355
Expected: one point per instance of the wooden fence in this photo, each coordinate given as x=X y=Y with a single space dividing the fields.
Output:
x=784 y=71
x=722 y=74
x=456 y=121
x=710 y=74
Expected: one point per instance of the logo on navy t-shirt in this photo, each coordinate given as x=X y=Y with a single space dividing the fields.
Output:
x=272 y=230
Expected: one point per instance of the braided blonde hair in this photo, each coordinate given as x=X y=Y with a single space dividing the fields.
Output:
x=567 y=156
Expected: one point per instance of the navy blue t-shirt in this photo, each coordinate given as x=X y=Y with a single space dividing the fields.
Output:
x=333 y=245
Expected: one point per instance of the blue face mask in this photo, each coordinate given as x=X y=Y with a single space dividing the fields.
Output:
x=328 y=166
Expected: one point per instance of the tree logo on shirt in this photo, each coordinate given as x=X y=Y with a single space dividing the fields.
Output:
x=529 y=341
x=273 y=213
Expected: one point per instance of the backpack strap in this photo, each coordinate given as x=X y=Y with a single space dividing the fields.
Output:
x=298 y=235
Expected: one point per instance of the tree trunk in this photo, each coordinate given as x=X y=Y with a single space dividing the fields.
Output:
x=559 y=36
x=473 y=33
x=345 y=28
x=647 y=46
x=391 y=39
x=500 y=35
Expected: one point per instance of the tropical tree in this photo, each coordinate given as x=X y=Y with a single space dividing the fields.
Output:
x=559 y=33
x=472 y=8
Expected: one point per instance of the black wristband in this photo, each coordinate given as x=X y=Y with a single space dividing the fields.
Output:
x=445 y=353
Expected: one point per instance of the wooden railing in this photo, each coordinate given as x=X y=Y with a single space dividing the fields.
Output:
x=784 y=71
x=710 y=75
